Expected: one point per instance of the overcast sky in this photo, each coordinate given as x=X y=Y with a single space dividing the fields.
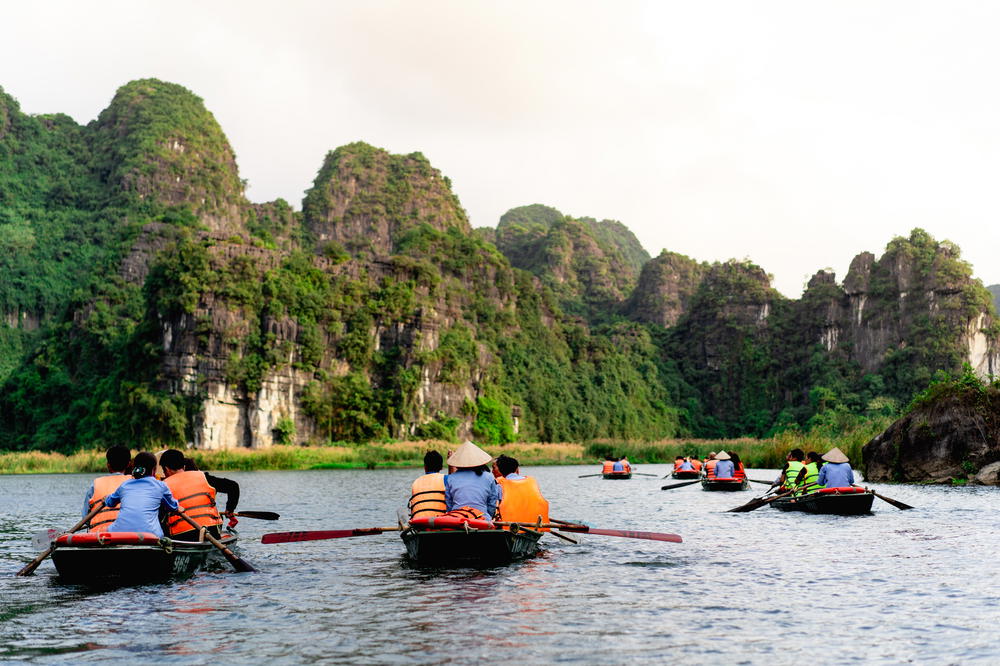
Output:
x=795 y=134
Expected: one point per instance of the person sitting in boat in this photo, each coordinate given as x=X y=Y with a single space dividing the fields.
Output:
x=427 y=491
x=471 y=491
x=694 y=462
x=683 y=465
x=119 y=457
x=790 y=472
x=141 y=499
x=195 y=491
x=621 y=466
x=709 y=466
x=723 y=465
x=609 y=464
x=808 y=479
x=739 y=472
x=521 y=498
x=836 y=473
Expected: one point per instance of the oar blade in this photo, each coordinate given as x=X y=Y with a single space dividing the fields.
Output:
x=319 y=535
x=895 y=503
x=259 y=515
x=679 y=485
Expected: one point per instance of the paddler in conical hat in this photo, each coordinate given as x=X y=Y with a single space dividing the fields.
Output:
x=723 y=466
x=836 y=473
x=471 y=490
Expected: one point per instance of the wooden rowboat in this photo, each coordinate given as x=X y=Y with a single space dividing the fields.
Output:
x=848 y=501
x=478 y=547
x=730 y=485
x=685 y=474
x=617 y=475
x=130 y=557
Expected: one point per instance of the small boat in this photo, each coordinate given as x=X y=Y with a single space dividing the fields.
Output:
x=724 y=484
x=132 y=557
x=685 y=474
x=846 y=501
x=617 y=475
x=449 y=541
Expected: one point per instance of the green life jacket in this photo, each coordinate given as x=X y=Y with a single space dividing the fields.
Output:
x=812 y=475
x=791 y=473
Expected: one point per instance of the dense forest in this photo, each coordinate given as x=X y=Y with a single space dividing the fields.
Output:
x=144 y=299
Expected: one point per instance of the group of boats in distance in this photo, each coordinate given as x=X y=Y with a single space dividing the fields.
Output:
x=439 y=541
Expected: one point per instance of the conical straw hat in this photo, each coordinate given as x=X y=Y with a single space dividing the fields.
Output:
x=722 y=455
x=835 y=455
x=469 y=455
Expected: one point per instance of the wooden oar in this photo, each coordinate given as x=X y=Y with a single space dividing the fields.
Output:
x=238 y=563
x=766 y=483
x=759 y=502
x=584 y=476
x=259 y=515
x=641 y=474
x=586 y=529
x=31 y=566
x=680 y=485
x=319 y=535
x=895 y=503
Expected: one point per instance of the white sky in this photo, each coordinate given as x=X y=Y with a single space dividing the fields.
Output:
x=792 y=133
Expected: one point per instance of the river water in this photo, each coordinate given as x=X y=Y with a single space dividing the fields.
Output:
x=764 y=587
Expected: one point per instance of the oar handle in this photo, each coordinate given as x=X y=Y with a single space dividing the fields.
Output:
x=238 y=563
x=31 y=566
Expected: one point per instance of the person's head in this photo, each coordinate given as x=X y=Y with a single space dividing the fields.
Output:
x=143 y=465
x=433 y=462
x=835 y=455
x=171 y=461
x=815 y=458
x=610 y=458
x=711 y=455
x=118 y=457
x=507 y=465
x=190 y=465
x=470 y=456
x=735 y=457
x=796 y=454
x=722 y=455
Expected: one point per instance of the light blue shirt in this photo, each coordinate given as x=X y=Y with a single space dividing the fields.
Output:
x=514 y=476
x=686 y=466
x=724 y=469
x=465 y=488
x=141 y=500
x=619 y=467
x=836 y=475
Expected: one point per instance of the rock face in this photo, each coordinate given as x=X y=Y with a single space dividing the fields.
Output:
x=952 y=436
x=666 y=287
x=366 y=199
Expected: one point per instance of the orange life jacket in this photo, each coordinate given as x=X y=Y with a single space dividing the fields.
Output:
x=104 y=486
x=710 y=468
x=522 y=501
x=739 y=473
x=627 y=466
x=696 y=464
x=196 y=497
x=609 y=466
x=677 y=465
x=427 y=496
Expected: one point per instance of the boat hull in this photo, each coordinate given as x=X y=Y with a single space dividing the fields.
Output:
x=685 y=474
x=474 y=548
x=853 y=504
x=618 y=475
x=725 y=486
x=134 y=563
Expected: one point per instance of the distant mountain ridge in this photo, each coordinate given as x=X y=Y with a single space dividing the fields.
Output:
x=145 y=300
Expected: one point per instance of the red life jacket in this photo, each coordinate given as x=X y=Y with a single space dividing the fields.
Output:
x=740 y=473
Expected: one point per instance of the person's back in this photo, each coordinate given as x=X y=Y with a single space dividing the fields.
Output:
x=521 y=498
x=471 y=490
x=790 y=472
x=710 y=467
x=686 y=466
x=196 y=497
x=619 y=466
x=836 y=471
x=723 y=466
x=118 y=459
x=427 y=493
x=608 y=467
x=695 y=463
x=141 y=499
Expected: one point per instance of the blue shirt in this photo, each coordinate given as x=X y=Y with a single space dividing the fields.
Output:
x=619 y=467
x=465 y=488
x=141 y=500
x=724 y=469
x=836 y=475
x=686 y=467
x=514 y=476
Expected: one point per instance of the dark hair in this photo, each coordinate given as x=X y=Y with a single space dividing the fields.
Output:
x=479 y=470
x=172 y=459
x=433 y=462
x=735 y=459
x=679 y=458
x=797 y=454
x=118 y=458
x=143 y=465
x=507 y=465
x=190 y=465
x=815 y=458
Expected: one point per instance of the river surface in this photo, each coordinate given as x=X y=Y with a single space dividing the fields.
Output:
x=764 y=587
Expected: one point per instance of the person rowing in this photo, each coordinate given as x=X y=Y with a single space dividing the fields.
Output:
x=195 y=492
x=807 y=480
x=837 y=472
x=724 y=467
x=471 y=491
x=141 y=498
x=118 y=459
x=709 y=466
x=790 y=472
x=521 y=499
x=682 y=464
x=427 y=492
